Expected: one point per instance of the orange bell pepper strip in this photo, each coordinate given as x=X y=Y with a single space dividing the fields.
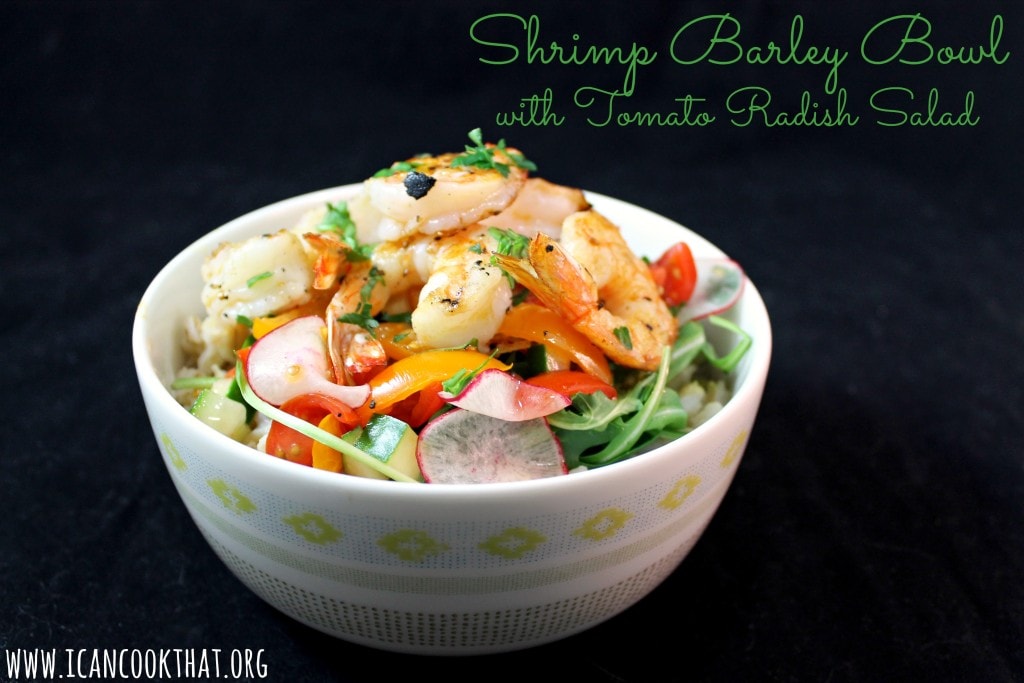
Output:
x=324 y=457
x=541 y=325
x=405 y=377
x=398 y=340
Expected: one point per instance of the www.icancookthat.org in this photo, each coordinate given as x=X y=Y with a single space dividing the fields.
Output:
x=142 y=664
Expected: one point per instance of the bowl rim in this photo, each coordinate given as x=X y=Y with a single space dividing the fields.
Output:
x=753 y=380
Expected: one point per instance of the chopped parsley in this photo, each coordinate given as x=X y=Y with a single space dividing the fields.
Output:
x=339 y=221
x=396 y=317
x=457 y=382
x=510 y=242
x=397 y=167
x=622 y=334
x=480 y=155
x=256 y=278
x=363 y=315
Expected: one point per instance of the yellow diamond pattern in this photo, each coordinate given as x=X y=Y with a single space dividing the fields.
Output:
x=683 y=489
x=411 y=545
x=232 y=498
x=735 y=448
x=604 y=524
x=313 y=528
x=172 y=453
x=513 y=543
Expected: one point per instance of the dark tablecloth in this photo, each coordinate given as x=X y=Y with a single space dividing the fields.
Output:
x=874 y=530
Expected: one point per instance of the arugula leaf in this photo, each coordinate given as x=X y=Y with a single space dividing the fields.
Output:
x=729 y=361
x=595 y=430
x=631 y=430
x=594 y=412
x=688 y=345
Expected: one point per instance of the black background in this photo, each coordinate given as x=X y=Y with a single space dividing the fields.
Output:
x=874 y=530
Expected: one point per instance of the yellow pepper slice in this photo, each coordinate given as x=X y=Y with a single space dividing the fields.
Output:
x=268 y=323
x=406 y=376
x=398 y=340
x=325 y=457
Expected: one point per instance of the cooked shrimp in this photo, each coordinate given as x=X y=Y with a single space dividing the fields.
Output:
x=541 y=206
x=257 y=277
x=465 y=298
x=355 y=353
x=330 y=258
x=593 y=279
x=459 y=295
x=430 y=195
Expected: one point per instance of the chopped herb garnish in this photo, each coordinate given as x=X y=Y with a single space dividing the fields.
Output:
x=243 y=320
x=396 y=317
x=339 y=221
x=182 y=383
x=457 y=382
x=397 y=167
x=622 y=334
x=510 y=242
x=256 y=278
x=363 y=315
x=476 y=248
x=480 y=155
x=361 y=318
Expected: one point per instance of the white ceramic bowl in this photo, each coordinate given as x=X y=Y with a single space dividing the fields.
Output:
x=454 y=569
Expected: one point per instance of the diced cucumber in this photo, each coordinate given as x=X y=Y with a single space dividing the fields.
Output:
x=224 y=414
x=388 y=439
x=227 y=386
x=223 y=386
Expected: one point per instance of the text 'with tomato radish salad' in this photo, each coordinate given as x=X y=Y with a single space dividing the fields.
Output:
x=459 y=320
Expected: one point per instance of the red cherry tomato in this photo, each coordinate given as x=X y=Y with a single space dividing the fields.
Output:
x=285 y=442
x=676 y=274
x=572 y=382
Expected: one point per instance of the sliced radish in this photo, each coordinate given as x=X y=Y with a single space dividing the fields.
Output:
x=499 y=394
x=292 y=360
x=719 y=285
x=463 y=447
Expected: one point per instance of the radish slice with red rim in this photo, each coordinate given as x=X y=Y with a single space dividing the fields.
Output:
x=498 y=394
x=719 y=285
x=292 y=360
x=463 y=447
